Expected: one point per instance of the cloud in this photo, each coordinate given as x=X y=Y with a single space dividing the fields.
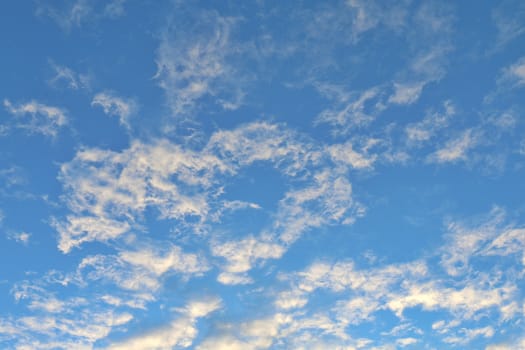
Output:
x=160 y=260
x=69 y=78
x=515 y=73
x=265 y=142
x=37 y=118
x=455 y=149
x=326 y=200
x=76 y=230
x=242 y=254
x=255 y=334
x=109 y=191
x=69 y=15
x=115 y=8
x=406 y=341
x=352 y=110
x=508 y=19
x=141 y=269
x=465 y=302
x=192 y=63
x=179 y=333
x=116 y=106
x=430 y=125
x=225 y=343
x=20 y=237
x=518 y=344
x=58 y=323
x=464 y=242
x=234 y=278
x=345 y=154
x=468 y=295
x=406 y=94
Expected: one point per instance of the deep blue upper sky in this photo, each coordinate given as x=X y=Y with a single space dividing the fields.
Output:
x=262 y=175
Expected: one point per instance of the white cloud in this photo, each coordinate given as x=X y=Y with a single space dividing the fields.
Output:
x=510 y=241
x=242 y=254
x=68 y=77
x=76 y=230
x=455 y=149
x=142 y=269
x=109 y=191
x=234 y=278
x=37 y=118
x=515 y=73
x=114 y=8
x=345 y=154
x=367 y=15
x=179 y=333
x=352 y=110
x=465 y=302
x=360 y=293
x=257 y=334
x=406 y=94
x=78 y=12
x=192 y=63
x=73 y=15
x=487 y=238
x=432 y=123
x=326 y=200
x=20 y=237
x=518 y=344
x=291 y=300
x=62 y=325
x=485 y=332
x=225 y=343
x=114 y=105
x=508 y=20
x=406 y=341
x=160 y=260
x=112 y=269
x=264 y=142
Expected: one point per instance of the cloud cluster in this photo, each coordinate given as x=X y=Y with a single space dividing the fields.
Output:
x=37 y=118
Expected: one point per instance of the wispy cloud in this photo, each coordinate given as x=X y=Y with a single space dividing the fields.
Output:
x=69 y=15
x=69 y=78
x=405 y=94
x=179 y=333
x=123 y=108
x=37 y=118
x=455 y=149
x=20 y=237
x=515 y=73
x=242 y=255
x=192 y=64
x=433 y=122
x=353 y=109
x=508 y=18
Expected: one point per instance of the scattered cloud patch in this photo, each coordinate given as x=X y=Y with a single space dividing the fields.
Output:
x=70 y=15
x=179 y=333
x=192 y=64
x=515 y=73
x=406 y=94
x=20 y=237
x=455 y=149
x=113 y=105
x=65 y=76
x=37 y=118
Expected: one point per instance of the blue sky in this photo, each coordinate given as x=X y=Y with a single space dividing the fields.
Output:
x=262 y=175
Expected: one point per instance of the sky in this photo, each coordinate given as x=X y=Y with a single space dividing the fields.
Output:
x=223 y=175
